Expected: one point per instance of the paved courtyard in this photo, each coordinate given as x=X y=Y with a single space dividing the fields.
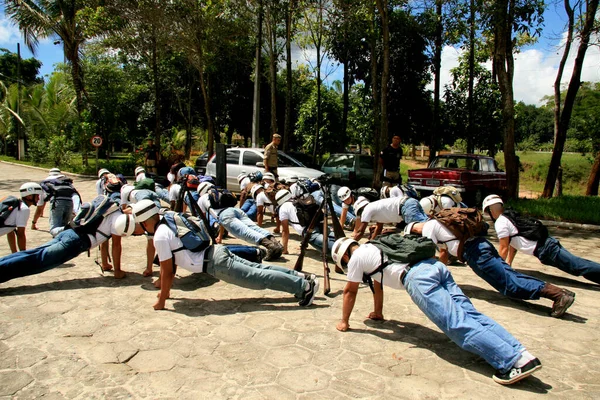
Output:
x=74 y=333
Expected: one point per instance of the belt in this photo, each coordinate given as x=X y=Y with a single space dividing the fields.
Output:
x=405 y=272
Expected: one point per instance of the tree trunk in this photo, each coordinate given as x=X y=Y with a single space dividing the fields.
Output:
x=318 y=48
x=375 y=91
x=594 y=179
x=346 y=106
x=562 y=125
x=210 y=126
x=437 y=67
x=504 y=67
x=157 y=108
x=470 y=127
x=273 y=73
x=76 y=74
x=287 y=132
x=382 y=6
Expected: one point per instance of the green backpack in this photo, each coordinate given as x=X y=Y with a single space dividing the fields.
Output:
x=146 y=183
x=403 y=249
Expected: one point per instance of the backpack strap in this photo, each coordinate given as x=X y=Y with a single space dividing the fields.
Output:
x=367 y=277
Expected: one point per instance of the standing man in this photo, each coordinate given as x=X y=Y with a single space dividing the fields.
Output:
x=390 y=158
x=151 y=157
x=14 y=214
x=270 y=156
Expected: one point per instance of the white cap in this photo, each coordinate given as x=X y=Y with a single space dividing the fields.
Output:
x=297 y=190
x=125 y=225
x=204 y=187
x=428 y=204
x=139 y=170
x=54 y=172
x=344 y=193
x=102 y=172
x=384 y=193
x=268 y=176
x=361 y=203
x=282 y=196
x=255 y=189
x=143 y=210
x=126 y=191
x=291 y=179
x=340 y=247
x=30 y=188
x=491 y=200
x=241 y=177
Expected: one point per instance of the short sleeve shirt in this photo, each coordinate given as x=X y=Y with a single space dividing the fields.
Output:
x=204 y=204
x=165 y=242
x=386 y=211
x=441 y=236
x=287 y=212
x=270 y=156
x=105 y=230
x=366 y=259
x=505 y=228
x=391 y=158
x=17 y=218
x=263 y=200
x=174 y=191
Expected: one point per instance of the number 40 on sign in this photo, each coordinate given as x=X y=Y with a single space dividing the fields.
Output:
x=96 y=141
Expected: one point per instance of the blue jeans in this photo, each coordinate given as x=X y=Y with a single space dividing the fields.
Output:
x=145 y=194
x=485 y=261
x=337 y=209
x=228 y=267
x=316 y=239
x=64 y=247
x=250 y=253
x=239 y=225
x=61 y=212
x=432 y=288
x=162 y=193
x=412 y=211
x=552 y=253
x=250 y=208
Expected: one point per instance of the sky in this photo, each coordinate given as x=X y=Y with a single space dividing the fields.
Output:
x=535 y=66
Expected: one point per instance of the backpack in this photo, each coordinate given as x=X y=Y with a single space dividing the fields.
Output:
x=112 y=184
x=368 y=193
x=60 y=187
x=450 y=192
x=529 y=228
x=306 y=209
x=191 y=230
x=221 y=198
x=145 y=183
x=404 y=249
x=91 y=215
x=191 y=182
x=7 y=205
x=464 y=223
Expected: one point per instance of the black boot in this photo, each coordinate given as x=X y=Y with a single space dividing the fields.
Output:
x=274 y=248
x=562 y=298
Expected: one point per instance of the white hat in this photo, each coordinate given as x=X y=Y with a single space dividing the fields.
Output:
x=139 y=170
x=255 y=189
x=344 y=193
x=204 y=187
x=291 y=179
x=268 y=176
x=30 y=188
x=126 y=191
x=340 y=247
x=102 y=172
x=491 y=200
x=282 y=196
x=384 y=193
x=144 y=210
x=428 y=204
x=54 y=172
x=361 y=203
x=297 y=190
x=125 y=224
x=241 y=177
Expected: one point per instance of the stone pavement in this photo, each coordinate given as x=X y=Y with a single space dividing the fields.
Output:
x=73 y=333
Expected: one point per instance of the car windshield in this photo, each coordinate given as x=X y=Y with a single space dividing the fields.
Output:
x=283 y=160
x=340 y=160
x=455 y=162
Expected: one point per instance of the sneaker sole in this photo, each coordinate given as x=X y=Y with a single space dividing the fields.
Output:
x=517 y=378
x=315 y=290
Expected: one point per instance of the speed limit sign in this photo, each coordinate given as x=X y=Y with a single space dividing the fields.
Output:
x=96 y=141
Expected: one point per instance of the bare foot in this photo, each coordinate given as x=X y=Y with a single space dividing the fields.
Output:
x=107 y=267
x=276 y=230
x=160 y=305
x=118 y=274
x=147 y=272
x=34 y=227
x=157 y=283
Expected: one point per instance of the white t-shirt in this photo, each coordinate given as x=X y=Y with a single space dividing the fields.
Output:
x=263 y=200
x=165 y=242
x=128 y=199
x=174 y=191
x=17 y=218
x=204 y=204
x=107 y=227
x=140 y=176
x=245 y=182
x=441 y=236
x=366 y=259
x=171 y=177
x=395 y=191
x=505 y=228
x=287 y=211
x=386 y=211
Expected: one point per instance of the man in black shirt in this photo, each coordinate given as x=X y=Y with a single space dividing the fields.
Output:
x=389 y=158
x=151 y=157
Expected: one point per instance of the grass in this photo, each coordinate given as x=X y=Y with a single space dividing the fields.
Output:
x=127 y=165
x=580 y=209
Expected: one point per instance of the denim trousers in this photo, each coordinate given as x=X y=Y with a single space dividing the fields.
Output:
x=250 y=253
x=239 y=225
x=145 y=194
x=64 y=247
x=485 y=261
x=61 y=212
x=412 y=211
x=552 y=253
x=432 y=288
x=228 y=267
x=337 y=209
x=250 y=208
x=316 y=239
x=162 y=194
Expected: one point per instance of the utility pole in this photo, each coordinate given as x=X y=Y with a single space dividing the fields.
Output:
x=257 y=74
x=20 y=140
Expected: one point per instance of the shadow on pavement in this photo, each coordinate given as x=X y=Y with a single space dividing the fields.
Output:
x=560 y=280
x=202 y=307
x=530 y=306
x=426 y=338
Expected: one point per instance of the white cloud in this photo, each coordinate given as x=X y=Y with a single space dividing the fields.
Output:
x=9 y=33
x=535 y=71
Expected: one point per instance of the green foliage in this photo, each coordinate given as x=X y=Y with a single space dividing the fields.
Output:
x=580 y=209
x=331 y=123
x=30 y=68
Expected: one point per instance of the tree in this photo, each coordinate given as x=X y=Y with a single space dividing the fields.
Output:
x=273 y=16
x=30 y=68
x=562 y=117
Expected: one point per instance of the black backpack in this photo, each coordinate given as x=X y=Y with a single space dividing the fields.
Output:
x=221 y=198
x=192 y=231
x=404 y=249
x=60 y=187
x=91 y=215
x=529 y=228
x=368 y=193
x=306 y=209
x=7 y=206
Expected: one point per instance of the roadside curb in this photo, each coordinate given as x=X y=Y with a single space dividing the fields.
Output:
x=571 y=225
x=63 y=172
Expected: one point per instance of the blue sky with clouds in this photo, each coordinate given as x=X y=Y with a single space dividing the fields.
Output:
x=535 y=66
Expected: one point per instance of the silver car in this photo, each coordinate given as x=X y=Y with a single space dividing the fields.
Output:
x=251 y=159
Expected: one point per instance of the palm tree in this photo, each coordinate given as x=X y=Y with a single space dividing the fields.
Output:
x=39 y=19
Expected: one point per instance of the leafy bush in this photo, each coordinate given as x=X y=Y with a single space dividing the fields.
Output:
x=580 y=209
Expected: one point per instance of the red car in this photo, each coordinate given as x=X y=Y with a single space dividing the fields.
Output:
x=473 y=175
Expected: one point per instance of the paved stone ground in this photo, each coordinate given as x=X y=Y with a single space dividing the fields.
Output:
x=74 y=333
